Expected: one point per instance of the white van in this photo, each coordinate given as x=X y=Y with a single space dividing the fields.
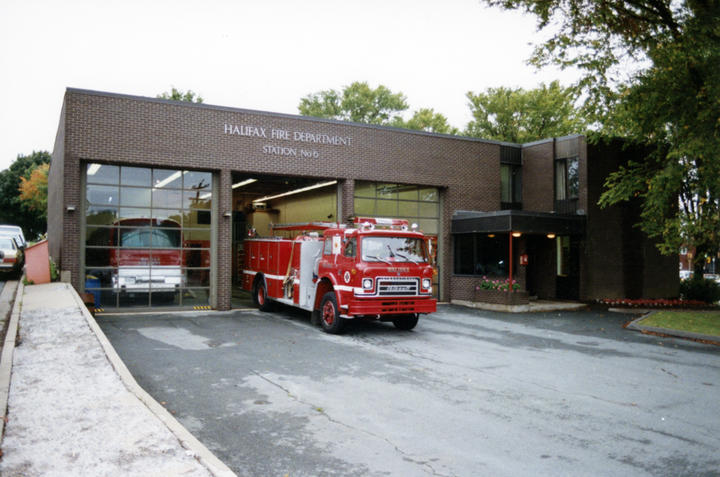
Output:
x=14 y=231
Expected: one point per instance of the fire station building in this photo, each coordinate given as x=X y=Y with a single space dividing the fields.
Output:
x=176 y=186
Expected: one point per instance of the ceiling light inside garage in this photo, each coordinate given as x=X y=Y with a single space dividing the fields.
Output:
x=297 y=191
x=174 y=176
x=243 y=183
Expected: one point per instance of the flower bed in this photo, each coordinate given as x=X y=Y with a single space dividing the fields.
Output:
x=497 y=284
x=652 y=303
x=500 y=292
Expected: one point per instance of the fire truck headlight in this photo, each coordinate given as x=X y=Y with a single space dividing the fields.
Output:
x=367 y=283
x=426 y=283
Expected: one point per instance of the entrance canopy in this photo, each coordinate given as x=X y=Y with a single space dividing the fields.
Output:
x=464 y=221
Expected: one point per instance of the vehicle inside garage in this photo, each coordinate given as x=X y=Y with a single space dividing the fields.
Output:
x=262 y=200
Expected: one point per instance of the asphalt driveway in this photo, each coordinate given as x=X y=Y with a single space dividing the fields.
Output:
x=466 y=393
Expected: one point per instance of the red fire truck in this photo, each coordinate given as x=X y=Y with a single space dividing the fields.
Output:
x=149 y=257
x=378 y=269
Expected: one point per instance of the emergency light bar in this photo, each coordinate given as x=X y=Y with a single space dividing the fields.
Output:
x=306 y=226
x=381 y=221
x=393 y=224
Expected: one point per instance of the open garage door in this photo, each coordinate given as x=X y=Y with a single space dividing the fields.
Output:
x=262 y=200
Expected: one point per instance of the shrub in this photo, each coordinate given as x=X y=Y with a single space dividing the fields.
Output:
x=53 y=271
x=702 y=289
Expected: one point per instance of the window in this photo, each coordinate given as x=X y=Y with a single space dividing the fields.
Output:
x=567 y=180
x=481 y=255
x=563 y=255
x=464 y=254
x=511 y=186
x=393 y=249
x=6 y=244
x=350 y=248
x=417 y=204
x=149 y=238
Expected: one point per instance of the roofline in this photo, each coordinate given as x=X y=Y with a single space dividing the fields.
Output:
x=285 y=116
x=551 y=139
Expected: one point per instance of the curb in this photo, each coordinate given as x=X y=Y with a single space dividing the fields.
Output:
x=636 y=326
x=7 y=355
x=187 y=440
x=529 y=308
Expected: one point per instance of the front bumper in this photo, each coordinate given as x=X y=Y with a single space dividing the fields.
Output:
x=390 y=306
x=144 y=280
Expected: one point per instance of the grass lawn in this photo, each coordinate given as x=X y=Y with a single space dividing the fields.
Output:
x=703 y=322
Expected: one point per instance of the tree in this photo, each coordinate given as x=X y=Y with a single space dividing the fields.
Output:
x=34 y=190
x=650 y=72
x=426 y=119
x=677 y=108
x=12 y=209
x=519 y=115
x=358 y=103
x=362 y=104
x=179 y=95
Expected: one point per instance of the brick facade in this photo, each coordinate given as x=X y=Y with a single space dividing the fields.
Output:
x=127 y=130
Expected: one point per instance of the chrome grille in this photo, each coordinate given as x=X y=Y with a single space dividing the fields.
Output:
x=397 y=286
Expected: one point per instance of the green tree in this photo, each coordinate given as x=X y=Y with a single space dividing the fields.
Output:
x=650 y=72
x=179 y=95
x=426 y=119
x=12 y=209
x=519 y=115
x=357 y=103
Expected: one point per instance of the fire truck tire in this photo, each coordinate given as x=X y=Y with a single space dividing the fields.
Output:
x=260 y=297
x=407 y=322
x=329 y=317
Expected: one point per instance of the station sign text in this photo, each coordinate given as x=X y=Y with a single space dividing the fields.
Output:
x=277 y=134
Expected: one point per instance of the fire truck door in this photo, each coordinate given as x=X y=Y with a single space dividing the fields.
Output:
x=346 y=262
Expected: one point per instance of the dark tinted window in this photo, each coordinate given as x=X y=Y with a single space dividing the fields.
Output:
x=481 y=255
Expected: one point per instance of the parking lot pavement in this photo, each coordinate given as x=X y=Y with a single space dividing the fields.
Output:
x=466 y=393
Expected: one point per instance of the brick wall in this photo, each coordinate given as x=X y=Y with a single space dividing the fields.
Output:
x=56 y=198
x=537 y=170
x=620 y=260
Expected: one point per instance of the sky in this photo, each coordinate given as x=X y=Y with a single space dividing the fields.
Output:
x=262 y=54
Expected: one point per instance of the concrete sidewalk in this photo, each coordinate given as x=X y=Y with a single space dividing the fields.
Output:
x=74 y=409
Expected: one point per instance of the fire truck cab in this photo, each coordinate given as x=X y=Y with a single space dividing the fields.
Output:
x=378 y=269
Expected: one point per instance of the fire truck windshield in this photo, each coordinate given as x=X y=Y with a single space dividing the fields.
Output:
x=150 y=238
x=393 y=249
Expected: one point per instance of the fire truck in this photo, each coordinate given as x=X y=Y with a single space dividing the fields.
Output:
x=377 y=269
x=149 y=257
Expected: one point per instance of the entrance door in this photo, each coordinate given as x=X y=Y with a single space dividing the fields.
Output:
x=568 y=267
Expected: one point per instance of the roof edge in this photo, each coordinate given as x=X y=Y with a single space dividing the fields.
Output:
x=551 y=139
x=284 y=116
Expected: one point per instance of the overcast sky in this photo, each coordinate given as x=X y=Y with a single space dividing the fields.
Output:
x=263 y=54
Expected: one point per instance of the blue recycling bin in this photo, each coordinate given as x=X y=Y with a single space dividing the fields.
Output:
x=91 y=286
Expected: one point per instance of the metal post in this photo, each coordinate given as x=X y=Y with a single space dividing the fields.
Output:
x=510 y=237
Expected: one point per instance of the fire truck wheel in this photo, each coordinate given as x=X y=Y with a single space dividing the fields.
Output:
x=329 y=317
x=407 y=322
x=261 y=298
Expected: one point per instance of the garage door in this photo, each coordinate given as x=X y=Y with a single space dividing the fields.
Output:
x=417 y=204
x=147 y=236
